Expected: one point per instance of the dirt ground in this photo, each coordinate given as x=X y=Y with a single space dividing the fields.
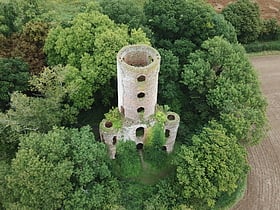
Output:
x=263 y=190
x=268 y=8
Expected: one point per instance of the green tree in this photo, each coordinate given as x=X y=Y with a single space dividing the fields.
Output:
x=183 y=25
x=90 y=44
x=129 y=12
x=33 y=113
x=270 y=30
x=127 y=164
x=222 y=79
x=51 y=106
x=168 y=81
x=54 y=84
x=244 y=15
x=9 y=139
x=4 y=191
x=70 y=157
x=7 y=18
x=14 y=75
x=211 y=166
x=26 y=10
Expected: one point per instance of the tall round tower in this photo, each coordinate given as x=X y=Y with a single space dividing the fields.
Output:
x=138 y=68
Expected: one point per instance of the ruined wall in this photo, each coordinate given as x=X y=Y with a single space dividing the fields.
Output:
x=138 y=68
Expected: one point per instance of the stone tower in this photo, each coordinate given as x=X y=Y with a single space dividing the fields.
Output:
x=137 y=71
x=138 y=68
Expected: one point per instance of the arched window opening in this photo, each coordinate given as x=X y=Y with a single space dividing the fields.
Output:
x=139 y=146
x=140 y=132
x=167 y=133
x=114 y=140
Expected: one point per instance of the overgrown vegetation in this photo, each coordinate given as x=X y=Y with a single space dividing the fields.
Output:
x=69 y=48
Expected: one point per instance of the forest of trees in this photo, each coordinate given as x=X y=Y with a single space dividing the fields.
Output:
x=58 y=78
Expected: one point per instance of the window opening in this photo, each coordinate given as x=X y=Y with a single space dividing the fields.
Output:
x=108 y=124
x=140 y=109
x=139 y=146
x=167 y=133
x=141 y=95
x=114 y=140
x=171 y=117
x=141 y=78
x=140 y=132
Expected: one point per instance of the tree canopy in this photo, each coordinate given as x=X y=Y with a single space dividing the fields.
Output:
x=204 y=76
x=213 y=164
x=14 y=76
x=244 y=15
x=62 y=168
x=90 y=44
x=183 y=25
x=221 y=75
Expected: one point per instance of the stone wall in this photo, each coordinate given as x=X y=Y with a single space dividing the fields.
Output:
x=138 y=68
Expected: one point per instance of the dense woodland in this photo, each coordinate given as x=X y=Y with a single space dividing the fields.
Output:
x=58 y=78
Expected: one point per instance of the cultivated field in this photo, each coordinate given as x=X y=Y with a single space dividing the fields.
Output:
x=263 y=190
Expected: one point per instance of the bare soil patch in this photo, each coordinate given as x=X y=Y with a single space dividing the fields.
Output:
x=263 y=190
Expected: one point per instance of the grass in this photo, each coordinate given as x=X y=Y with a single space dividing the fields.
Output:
x=259 y=46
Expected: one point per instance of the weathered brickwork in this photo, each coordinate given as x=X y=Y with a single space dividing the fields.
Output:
x=137 y=71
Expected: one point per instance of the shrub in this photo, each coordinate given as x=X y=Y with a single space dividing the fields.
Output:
x=14 y=75
x=270 y=30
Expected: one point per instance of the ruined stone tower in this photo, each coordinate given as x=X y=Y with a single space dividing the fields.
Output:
x=137 y=71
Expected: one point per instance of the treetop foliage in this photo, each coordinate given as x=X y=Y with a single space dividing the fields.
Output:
x=7 y=19
x=90 y=44
x=223 y=74
x=73 y=159
x=14 y=76
x=186 y=22
x=212 y=165
x=244 y=15
x=205 y=77
x=127 y=12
